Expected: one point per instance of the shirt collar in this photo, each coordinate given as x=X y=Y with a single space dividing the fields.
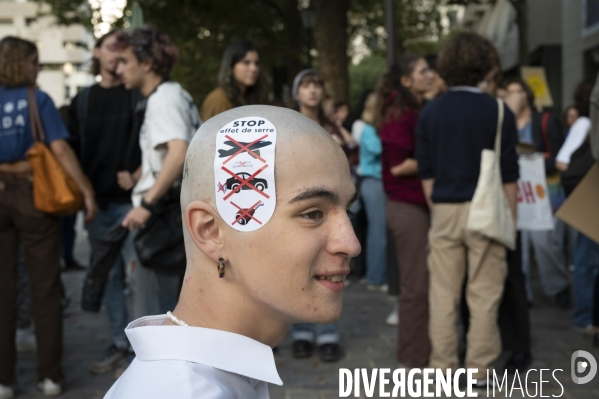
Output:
x=222 y=350
x=471 y=89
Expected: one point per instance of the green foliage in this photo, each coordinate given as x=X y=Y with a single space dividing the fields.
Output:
x=202 y=29
x=365 y=75
x=69 y=12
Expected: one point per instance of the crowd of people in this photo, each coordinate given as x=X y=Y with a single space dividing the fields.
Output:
x=413 y=145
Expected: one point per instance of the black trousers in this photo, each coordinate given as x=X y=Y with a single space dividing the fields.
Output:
x=513 y=318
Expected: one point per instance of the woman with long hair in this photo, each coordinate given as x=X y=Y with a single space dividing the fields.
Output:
x=239 y=81
x=400 y=99
x=569 y=117
x=374 y=199
x=22 y=225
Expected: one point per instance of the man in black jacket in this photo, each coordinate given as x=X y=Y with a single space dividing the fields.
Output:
x=541 y=133
x=101 y=119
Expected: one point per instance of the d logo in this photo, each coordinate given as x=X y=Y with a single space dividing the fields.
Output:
x=581 y=367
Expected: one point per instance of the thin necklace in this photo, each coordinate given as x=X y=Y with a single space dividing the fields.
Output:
x=176 y=320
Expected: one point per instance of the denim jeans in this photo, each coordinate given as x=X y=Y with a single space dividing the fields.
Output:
x=375 y=200
x=586 y=268
x=324 y=333
x=115 y=300
x=67 y=227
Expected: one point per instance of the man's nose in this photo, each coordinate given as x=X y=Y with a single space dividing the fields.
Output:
x=343 y=239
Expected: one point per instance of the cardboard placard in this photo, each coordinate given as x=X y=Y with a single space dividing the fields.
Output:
x=536 y=79
x=534 y=208
x=581 y=209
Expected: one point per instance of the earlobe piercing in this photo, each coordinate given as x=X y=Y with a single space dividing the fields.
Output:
x=221 y=268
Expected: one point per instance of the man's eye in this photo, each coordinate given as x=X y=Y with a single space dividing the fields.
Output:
x=313 y=216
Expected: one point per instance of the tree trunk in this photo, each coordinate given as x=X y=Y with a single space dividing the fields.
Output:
x=522 y=22
x=296 y=37
x=331 y=43
x=390 y=19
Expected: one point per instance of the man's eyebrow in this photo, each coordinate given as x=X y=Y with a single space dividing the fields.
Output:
x=317 y=193
x=322 y=193
x=354 y=198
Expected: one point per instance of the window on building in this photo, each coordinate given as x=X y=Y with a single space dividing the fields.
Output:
x=30 y=21
x=590 y=17
x=452 y=16
x=5 y=21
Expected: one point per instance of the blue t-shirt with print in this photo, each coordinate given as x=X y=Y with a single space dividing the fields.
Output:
x=15 y=129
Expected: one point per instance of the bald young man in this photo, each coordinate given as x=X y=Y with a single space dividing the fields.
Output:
x=283 y=258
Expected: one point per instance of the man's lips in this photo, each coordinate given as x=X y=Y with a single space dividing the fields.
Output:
x=334 y=280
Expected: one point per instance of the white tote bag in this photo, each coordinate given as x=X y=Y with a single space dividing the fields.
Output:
x=534 y=207
x=490 y=213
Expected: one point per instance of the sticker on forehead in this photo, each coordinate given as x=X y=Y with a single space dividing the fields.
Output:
x=244 y=172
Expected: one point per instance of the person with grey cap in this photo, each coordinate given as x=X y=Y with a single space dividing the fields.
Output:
x=308 y=94
x=238 y=297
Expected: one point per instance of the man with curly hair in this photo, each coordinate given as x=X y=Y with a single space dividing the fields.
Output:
x=101 y=124
x=452 y=132
x=146 y=59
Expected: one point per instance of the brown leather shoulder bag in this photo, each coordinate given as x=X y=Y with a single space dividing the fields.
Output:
x=54 y=191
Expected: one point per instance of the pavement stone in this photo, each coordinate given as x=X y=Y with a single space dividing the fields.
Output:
x=366 y=340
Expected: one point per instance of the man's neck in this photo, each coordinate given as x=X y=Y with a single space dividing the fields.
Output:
x=310 y=112
x=150 y=83
x=109 y=80
x=206 y=301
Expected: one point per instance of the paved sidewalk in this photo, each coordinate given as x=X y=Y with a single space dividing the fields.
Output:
x=368 y=343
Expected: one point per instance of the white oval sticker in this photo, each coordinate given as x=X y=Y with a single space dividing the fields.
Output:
x=244 y=172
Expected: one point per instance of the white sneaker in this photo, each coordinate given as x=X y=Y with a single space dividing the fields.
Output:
x=49 y=387
x=25 y=340
x=384 y=288
x=393 y=318
x=6 y=392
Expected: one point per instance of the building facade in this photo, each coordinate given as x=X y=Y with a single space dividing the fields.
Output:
x=563 y=37
x=65 y=52
x=580 y=26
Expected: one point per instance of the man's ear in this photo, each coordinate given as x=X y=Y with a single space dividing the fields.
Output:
x=147 y=65
x=201 y=221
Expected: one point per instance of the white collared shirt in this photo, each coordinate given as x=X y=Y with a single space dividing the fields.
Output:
x=191 y=362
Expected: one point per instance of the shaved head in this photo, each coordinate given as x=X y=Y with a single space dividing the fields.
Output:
x=199 y=182
x=291 y=268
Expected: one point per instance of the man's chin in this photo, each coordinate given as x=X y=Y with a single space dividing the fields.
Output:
x=324 y=315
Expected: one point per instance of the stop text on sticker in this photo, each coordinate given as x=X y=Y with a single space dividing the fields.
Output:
x=245 y=124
